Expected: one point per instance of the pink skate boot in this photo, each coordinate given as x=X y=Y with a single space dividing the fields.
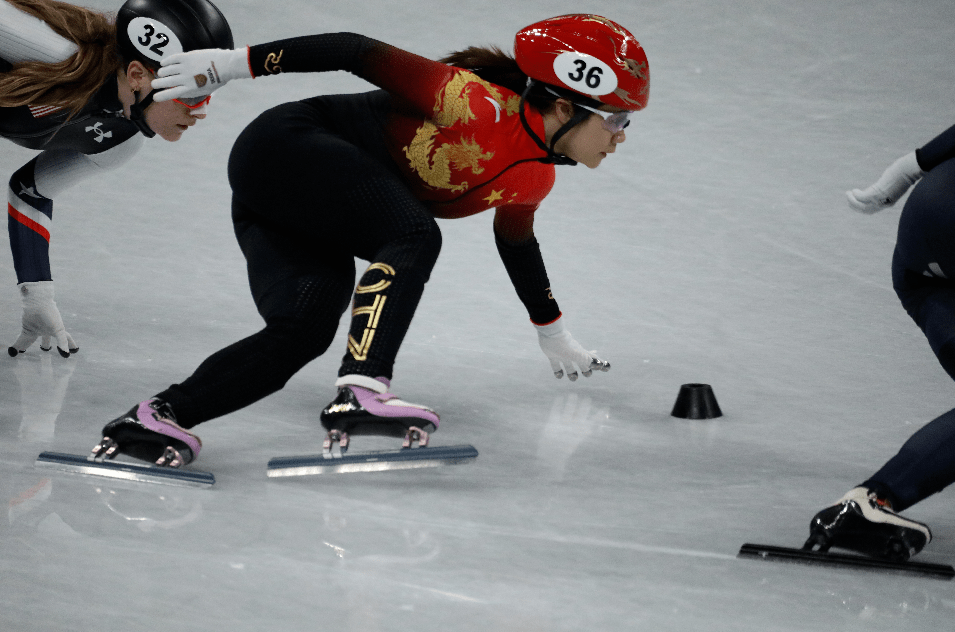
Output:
x=149 y=432
x=365 y=407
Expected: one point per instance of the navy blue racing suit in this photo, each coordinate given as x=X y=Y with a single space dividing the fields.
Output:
x=923 y=274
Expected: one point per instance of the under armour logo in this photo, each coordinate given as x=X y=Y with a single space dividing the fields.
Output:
x=24 y=190
x=935 y=270
x=100 y=134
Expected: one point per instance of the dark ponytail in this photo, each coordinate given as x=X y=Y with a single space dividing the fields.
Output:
x=495 y=66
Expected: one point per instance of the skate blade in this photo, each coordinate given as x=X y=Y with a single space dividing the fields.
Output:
x=839 y=560
x=141 y=473
x=380 y=461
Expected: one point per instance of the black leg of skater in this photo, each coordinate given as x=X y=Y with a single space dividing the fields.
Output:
x=385 y=301
x=923 y=274
x=306 y=202
x=301 y=302
x=925 y=465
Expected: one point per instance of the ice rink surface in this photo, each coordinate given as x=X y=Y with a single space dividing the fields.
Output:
x=716 y=246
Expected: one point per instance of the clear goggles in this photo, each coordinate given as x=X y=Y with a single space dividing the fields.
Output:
x=613 y=122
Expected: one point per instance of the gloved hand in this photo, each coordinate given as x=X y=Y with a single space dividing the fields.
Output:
x=41 y=318
x=561 y=349
x=887 y=190
x=199 y=73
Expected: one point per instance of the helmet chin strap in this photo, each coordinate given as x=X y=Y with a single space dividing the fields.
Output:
x=137 y=113
x=552 y=156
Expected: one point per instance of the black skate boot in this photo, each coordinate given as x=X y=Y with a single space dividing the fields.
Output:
x=861 y=522
x=364 y=406
x=149 y=432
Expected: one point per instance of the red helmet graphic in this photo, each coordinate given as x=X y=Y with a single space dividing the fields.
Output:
x=588 y=54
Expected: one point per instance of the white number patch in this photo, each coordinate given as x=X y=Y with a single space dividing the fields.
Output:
x=153 y=39
x=585 y=74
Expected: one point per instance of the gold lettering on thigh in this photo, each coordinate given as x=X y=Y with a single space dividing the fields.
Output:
x=377 y=287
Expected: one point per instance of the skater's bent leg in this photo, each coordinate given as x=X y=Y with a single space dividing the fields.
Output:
x=242 y=373
x=403 y=244
x=253 y=368
x=936 y=317
x=388 y=292
x=301 y=301
x=923 y=466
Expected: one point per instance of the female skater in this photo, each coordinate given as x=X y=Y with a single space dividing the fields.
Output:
x=76 y=86
x=321 y=181
x=923 y=274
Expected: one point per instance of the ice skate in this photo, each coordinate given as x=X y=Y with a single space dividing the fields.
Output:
x=861 y=522
x=148 y=432
x=364 y=406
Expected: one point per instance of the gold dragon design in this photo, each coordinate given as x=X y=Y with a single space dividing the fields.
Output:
x=451 y=107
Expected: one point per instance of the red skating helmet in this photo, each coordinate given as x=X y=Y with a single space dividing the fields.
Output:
x=587 y=54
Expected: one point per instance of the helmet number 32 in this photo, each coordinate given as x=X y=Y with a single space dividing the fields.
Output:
x=154 y=40
x=585 y=73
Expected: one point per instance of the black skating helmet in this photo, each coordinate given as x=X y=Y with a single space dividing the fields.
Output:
x=148 y=31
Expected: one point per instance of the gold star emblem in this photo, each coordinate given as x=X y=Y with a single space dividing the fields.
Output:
x=494 y=197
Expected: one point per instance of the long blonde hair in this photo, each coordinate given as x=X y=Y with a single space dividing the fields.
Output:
x=71 y=83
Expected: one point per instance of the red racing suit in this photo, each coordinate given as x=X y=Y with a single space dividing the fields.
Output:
x=456 y=139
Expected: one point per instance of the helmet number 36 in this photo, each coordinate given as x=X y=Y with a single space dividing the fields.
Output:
x=154 y=40
x=585 y=73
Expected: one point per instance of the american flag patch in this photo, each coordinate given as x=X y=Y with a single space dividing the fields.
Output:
x=39 y=111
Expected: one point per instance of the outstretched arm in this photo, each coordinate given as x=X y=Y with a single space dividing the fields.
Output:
x=903 y=173
x=521 y=255
x=415 y=78
x=30 y=222
x=891 y=185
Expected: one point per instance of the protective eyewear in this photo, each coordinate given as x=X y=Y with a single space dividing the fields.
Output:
x=190 y=102
x=613 y=122
x=193 y=102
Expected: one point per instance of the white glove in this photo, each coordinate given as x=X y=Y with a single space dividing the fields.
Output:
x=199 y=73
x=887 y=190
x=41 y=318
x=561 y=348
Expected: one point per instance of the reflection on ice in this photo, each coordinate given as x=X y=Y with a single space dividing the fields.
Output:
x=571 y=421
x=151 y=511
x=43 y=383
